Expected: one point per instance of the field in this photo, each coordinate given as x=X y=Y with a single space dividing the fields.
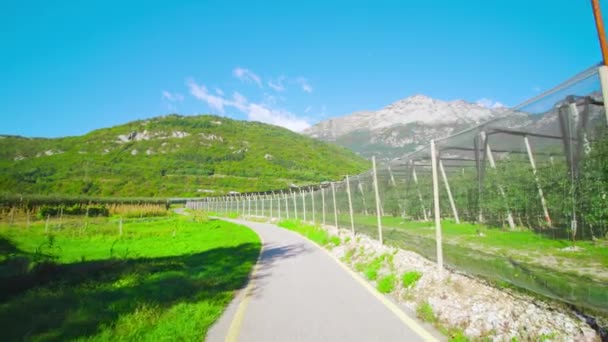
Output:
x=157 y=278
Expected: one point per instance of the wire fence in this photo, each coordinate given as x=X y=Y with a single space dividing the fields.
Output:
x=520 y=200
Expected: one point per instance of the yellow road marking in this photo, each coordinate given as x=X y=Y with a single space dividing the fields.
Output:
x=237 y=320
x=235 y=326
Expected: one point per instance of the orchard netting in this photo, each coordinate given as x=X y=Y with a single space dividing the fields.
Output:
x=523 y=198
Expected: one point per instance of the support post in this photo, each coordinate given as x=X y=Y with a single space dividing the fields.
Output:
x=360 y=187
x=449 y=191
x=603 y=74
x=286 y=205
x=248 y=205
x=303 y=193
x=350 y=206
x=278 y=198
x=415 y=178
x=378 y=212
x=333 y=194
x=270 y=198
x=501 y=190
x=478 y=168
x=540 y=189
x=312 y=200
x=295 y=206
x=437 y=212
x=323 y=203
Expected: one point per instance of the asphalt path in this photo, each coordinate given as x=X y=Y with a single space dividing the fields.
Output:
x=299 y=292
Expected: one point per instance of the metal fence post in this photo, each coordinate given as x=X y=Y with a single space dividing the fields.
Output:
x=437 y=211
x=323 y=203
x=378 y=212
x=312 y=201
x=333 y=194
x=350 y=206
x=303 y=193
x=295 y=206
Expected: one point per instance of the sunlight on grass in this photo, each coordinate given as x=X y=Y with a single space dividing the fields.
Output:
x=163 y=279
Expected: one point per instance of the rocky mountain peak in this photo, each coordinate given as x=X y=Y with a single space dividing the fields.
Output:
x=403 y=122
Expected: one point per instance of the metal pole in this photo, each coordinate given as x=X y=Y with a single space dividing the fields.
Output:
x=312 y=200
x=599 y=24
x=447 y=189
x=286 y=205
x=378 y=212
x=248 y=205
x=436 y=206
x=323 y=203
x=303 y=193
x=540 y=190
x=333 y=194
x=295 y=206
x=350 y=206
x=279 y=205
x=262 y=200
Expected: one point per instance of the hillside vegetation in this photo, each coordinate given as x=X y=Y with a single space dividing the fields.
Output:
x=171 y=156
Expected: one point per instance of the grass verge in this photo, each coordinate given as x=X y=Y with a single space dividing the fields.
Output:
x=162 y=279
x=312 y=232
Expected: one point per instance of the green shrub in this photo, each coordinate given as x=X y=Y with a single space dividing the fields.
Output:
x=387 y=283
x=371 y=270
x=409 y=279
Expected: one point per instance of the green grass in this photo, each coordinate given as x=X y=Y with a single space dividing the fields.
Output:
x=312 y=232
x=386 y=284
x=371 y=270
x=163 y=279
x=409 y=279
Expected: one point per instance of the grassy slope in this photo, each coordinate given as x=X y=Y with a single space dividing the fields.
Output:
x=217 y=154
x=169 y=278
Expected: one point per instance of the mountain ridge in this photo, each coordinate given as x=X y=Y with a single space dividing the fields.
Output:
x=401 y=126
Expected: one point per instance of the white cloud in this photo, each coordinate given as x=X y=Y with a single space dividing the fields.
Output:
x=219 y=91
x=247 y=75
x=175 y=97
x=259 y=112
x=308 y=109
x=488 y=103
x=201 y=93
x=303 y=83
x=262 y=112
x=278 y=85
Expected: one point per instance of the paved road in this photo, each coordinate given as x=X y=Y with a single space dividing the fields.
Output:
x=300 y=293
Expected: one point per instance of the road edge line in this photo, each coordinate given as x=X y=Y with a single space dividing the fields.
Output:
x=403 y=317
x=237 y=320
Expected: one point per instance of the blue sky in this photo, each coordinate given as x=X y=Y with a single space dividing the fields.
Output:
x=69 y=67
